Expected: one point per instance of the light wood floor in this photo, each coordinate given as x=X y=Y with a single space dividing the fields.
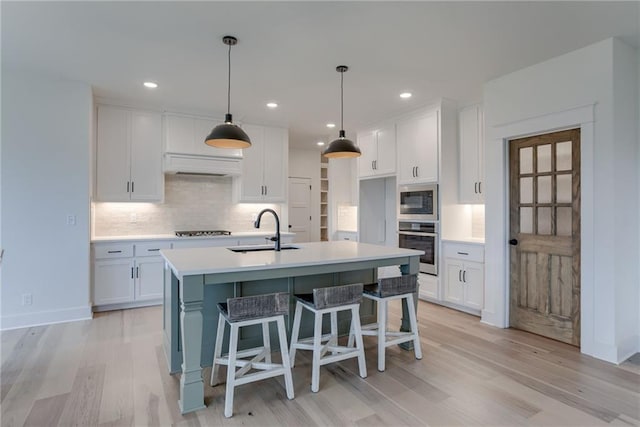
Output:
x=112 y=371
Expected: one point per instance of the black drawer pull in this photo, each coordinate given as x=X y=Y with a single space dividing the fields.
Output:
x=463 y=253
x=114 y=252
x=153 y=250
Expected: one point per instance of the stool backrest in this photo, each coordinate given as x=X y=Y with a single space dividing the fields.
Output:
x=334 y=296
x=390 y=286
x=258 y=306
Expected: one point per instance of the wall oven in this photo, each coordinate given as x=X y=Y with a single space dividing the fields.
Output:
x=422 y=236
x=418 y=202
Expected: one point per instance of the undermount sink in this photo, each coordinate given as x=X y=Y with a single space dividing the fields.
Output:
x=257 y=248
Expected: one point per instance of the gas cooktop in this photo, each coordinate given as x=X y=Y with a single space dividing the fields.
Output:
x=200 y=233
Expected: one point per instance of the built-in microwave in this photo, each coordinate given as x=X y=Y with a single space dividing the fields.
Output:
x=418 y=202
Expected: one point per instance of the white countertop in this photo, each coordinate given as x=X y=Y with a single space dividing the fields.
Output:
x=185 y=262
x=147 y=237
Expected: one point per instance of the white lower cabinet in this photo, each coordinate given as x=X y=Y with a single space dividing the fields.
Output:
x=464 y=275
x=428 y=286
x=128 y=273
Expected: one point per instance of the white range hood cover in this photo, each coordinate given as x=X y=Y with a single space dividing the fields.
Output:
x=202 y=165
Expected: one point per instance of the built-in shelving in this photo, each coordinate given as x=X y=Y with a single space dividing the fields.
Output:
x=324 y=199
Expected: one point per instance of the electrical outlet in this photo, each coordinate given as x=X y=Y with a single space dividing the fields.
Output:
x=27 y=299
x=133 y=218
x=71 y=219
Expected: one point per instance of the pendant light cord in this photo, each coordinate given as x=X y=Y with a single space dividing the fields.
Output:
x=229 y=83
x=342 y=100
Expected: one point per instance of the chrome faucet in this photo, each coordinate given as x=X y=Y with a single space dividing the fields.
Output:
x=277 y=236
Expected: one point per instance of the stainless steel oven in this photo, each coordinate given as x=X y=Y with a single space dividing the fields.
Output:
x=422 y=236
x=418 y=202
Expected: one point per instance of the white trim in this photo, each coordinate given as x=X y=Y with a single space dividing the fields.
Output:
x=582 y=117
x=27 y=320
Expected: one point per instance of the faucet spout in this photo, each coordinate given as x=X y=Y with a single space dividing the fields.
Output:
x=276 y=239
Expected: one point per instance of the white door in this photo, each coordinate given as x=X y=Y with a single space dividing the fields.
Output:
x=300 y=208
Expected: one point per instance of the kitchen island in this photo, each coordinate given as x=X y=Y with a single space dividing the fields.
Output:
x=197 y=279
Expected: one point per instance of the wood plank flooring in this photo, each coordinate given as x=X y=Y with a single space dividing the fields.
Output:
x=111 y=371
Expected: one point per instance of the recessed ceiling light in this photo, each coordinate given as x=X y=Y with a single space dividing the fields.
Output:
x=405 y=95
x=331 y=125
x=272 y=105
x=150 y=85
x=320 y=143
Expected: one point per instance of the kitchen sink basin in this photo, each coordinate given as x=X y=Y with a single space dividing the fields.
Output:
x=258 y=248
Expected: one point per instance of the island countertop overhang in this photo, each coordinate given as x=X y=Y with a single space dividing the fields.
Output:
x=194 y=261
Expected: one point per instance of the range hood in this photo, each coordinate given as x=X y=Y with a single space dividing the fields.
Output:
x=201 y=165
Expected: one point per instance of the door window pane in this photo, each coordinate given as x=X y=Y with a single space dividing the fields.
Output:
x=526 y=160
x=526 y=190
x=526 y=220
x=544 y=158
x=544 y=189
x=563 y=221
x=544 y=220
x=563 y=156
x=563 y=190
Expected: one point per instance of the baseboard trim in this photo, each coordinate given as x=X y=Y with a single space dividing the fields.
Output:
x=40 y=318
x=628 y=348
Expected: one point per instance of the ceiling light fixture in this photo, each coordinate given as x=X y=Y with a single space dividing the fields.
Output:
x=272 y=105
x=228 y=135
x=405 y=95
x=331 y=125
x=320 y=143
x=150 y=85
x=341 y=147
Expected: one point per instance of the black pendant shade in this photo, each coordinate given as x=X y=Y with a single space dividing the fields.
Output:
x=228 y=135
x=341 y=147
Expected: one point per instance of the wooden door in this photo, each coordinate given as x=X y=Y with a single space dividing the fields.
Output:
x=300 y=208
x=545 y=235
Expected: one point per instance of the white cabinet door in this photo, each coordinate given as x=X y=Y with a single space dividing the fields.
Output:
x=264 y=166
x=417 y=139
x=113 y=281
x=473 y=277
x=149 y=278
x=112 y=155
x=146 y=156
x=386 y=158
x=252 y=185
x=275 y=154
x=453 y=288
x=369 y=150
x=428 y=286
x=471 y=152
x=179 y=134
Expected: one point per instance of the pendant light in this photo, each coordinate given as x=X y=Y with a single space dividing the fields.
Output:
x=228 y=135
x=342 y=147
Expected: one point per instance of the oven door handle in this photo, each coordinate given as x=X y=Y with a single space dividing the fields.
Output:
x=408 y=233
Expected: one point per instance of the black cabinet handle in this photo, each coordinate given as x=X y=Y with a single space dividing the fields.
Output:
x=475 y=187
x=417 y=172
x=463 y=253
x=137 y=272
x=513 y=242
x=132 y=272
x=132 y=183
x=127 y=186
x=153 y=250
x=266 y=190
x=459 y=275
x=464 y=276
x=480 y=187
x=114 y=252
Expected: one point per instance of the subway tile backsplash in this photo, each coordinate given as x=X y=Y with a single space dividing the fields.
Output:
x=191 y=203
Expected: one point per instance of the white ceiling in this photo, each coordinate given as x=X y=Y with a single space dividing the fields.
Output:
x=288 y=51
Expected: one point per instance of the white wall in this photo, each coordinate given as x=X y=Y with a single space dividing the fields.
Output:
x=537 y=94
x=46 y=131
x=306 y=164
x=342 y=174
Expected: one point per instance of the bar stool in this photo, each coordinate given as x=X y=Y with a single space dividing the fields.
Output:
x=329 y=300
x=246 y=311
x=388 y=289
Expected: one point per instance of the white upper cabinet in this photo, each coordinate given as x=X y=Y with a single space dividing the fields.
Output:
x=417 y=142
x=186 y=134
x=378 y=152
x=471 y=155
x=264 y=168
x=128 y=155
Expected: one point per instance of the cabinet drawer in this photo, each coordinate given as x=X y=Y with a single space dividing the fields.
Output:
x=151 y=248
x=464 y=252
x=114 y=250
